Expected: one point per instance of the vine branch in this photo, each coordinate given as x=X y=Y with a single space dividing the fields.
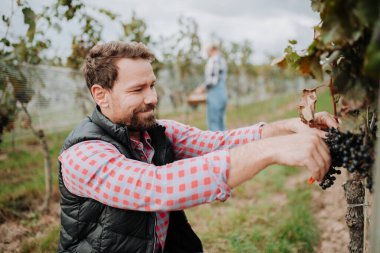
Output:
x=333 y=98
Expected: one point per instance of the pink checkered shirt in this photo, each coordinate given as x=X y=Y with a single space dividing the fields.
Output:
x=96 y=169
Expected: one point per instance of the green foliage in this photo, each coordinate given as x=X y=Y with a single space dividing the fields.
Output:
x=14 y=52
x=108 y=13
x=188 y=60
x=91 y=32
x=13 y=89
x=88 y=37
x=346 y=47
x=30 y=20
x=135 y=30
x=70 y=8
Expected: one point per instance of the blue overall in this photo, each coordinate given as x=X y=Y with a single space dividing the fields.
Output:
x=216 y=93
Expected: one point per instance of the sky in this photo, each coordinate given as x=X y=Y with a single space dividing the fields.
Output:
x=268 y=25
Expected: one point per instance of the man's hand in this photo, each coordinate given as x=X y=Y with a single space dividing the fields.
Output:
x=301 y=150
x=325 y=120
x=322 y=119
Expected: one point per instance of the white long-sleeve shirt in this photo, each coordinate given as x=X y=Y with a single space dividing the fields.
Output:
x=214 y=67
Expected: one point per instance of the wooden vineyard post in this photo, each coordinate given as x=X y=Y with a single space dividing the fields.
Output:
x=354 y=191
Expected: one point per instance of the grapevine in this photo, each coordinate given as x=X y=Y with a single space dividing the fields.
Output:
x=354 y=152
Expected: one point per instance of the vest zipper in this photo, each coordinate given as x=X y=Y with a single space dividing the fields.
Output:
x=154 y=233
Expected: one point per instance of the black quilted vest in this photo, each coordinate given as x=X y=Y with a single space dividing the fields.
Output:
x=90 y=226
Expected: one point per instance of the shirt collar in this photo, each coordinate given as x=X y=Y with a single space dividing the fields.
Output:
x=145 y=139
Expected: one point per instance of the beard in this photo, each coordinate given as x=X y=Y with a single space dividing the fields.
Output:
x=140 y=122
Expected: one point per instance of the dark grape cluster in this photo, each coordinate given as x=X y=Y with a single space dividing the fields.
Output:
x=349 y=151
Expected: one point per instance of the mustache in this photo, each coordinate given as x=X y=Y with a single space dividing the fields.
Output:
x=145 y=108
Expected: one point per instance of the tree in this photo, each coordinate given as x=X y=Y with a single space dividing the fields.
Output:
x=188 y=57
x=183 y=59
x=89 y=35
x=240 y=69
x=15 y=88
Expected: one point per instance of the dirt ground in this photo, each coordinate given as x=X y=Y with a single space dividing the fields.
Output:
x=14 y=232
x=330 y=209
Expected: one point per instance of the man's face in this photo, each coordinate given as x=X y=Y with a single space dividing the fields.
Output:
x=133 y=97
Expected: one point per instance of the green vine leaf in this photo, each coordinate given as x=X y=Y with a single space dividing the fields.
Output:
x=5 y=41
x=317 y=5
x=108 y=13
x=30 y=20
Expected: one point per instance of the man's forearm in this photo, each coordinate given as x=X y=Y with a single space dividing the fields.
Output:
x=276 y=128
x=189 y=141
x=295 y=125
x=248 y=160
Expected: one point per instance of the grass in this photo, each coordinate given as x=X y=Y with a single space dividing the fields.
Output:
x=263 y=215
x=23 y=170
x=44 y=244
x=22 y=178
x=267 y=110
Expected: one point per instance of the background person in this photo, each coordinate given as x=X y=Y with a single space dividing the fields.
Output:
x=215 y=86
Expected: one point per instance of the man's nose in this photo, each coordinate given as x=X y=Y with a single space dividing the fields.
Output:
x=151 y=97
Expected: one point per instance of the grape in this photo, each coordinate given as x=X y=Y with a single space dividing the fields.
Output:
x=351 y=151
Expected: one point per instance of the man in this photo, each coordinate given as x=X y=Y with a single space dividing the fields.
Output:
x=125 y=177
x=215 y=85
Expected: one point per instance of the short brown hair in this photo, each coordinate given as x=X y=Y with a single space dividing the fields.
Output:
x=100 y=64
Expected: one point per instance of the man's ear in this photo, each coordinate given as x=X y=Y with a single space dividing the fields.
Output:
x=100 y=95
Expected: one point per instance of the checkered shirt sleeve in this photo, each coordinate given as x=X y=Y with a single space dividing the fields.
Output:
x=97 y=170
x=190 y=141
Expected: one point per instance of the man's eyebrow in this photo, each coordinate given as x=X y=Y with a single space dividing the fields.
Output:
x=138 y=85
